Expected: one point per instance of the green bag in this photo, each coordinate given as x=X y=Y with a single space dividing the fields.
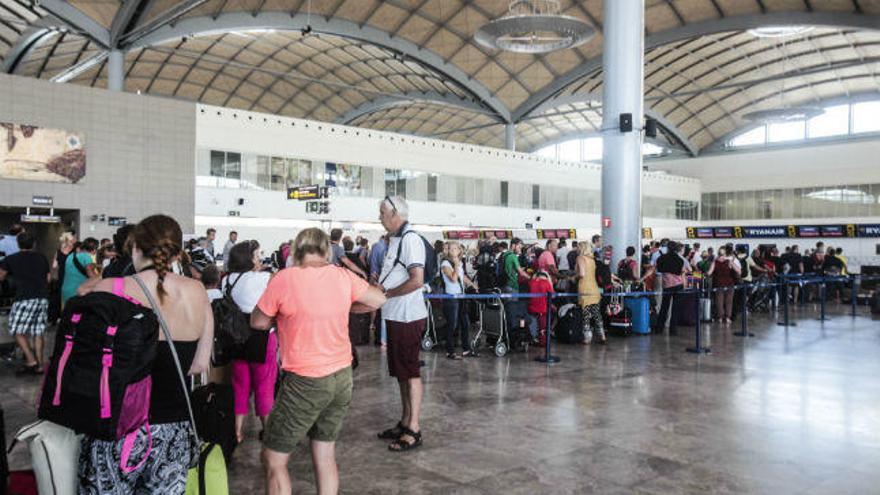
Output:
x=209 y=477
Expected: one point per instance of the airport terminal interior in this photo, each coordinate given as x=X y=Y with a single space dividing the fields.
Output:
x=647 y=261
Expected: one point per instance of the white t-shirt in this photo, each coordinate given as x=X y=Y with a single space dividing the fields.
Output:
x=214 y=294
x=453 y=287
x=409 y=307
x=247 y=291
x=562 y=254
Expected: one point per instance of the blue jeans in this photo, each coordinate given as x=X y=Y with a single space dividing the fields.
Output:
x=456 y=315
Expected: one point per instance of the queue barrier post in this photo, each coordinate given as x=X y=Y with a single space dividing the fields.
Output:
x=698 y=347
x=744 y=332
x=853 y=295
x=822 y=299
x=548 y=358
x=786 y=322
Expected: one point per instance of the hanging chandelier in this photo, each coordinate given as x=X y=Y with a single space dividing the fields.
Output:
x=534 y=26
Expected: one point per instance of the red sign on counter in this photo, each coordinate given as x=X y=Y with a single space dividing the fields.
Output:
x=461 y=235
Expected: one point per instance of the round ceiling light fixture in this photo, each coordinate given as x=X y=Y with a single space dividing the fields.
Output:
x=534 y=26
x=788 y=114
x=779 y=31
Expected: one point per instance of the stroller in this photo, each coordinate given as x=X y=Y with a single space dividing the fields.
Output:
x=502 y=333
x=761 y=296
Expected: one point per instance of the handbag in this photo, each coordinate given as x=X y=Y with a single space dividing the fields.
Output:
x=207 y=471
x=54 y=454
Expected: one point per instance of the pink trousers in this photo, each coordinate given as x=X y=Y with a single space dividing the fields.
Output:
x=258 y=378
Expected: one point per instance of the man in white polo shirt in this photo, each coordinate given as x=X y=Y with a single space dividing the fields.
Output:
x=405 y=314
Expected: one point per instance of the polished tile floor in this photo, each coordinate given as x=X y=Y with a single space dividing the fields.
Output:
x=790 y=411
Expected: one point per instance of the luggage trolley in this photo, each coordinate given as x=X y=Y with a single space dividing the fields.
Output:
x=493 y=322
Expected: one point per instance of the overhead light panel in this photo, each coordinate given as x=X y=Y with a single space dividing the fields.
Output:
x=779 y=31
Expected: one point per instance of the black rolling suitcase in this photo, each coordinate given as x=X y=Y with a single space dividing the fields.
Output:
x=214 y=411
x=685 y=309
x=569 y=329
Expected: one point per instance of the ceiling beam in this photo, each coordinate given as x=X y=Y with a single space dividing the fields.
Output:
x=694 y=30
x=78 y=20
x=29 y=39
x=386 y=102
x=122 y=21
x=80 y=68
x=243 y=21
x=574 y=99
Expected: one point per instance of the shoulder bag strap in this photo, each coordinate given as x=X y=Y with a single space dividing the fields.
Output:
x=230 y=286
x=79 y=266
x=168 y=338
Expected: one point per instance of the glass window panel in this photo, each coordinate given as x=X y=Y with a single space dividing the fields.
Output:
x=834 y=122
x=651 y=149
x=786 y=131
x=536 y=196
x=753 y=137
x=570 y=151
x=218 y=164
x=866 y=116
x=593 y=149
x=548 y=152
x=505 y=186
x=390 y=182
x=233 y=165
x=432 y=187
x=263 y=172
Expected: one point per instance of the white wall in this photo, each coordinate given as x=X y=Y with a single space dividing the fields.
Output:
x=271 y=218
x=140 y=151
x=808 y=165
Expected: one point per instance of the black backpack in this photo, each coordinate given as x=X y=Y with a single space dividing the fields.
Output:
x=99 y=375
x=487 y=271
x=625 y=269
x=232 y=327
x=430 y=268
x=502 y=269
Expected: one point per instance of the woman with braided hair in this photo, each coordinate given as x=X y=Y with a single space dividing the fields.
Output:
x=157 y=244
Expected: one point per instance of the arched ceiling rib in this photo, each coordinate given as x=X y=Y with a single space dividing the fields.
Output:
x=703 y=72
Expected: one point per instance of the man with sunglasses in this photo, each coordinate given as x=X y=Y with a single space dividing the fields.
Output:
x=405 y=314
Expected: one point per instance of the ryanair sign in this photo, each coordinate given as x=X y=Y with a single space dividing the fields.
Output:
x=784 y=231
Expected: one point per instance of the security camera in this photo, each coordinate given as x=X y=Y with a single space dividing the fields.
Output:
x=184 y=39
x=537 y=219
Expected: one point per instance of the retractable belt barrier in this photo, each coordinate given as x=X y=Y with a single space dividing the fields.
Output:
x=784 y=281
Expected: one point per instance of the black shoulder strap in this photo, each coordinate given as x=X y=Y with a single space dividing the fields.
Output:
x=79 y=266
x=203 y=461
x=397 y=257
x=230 y=286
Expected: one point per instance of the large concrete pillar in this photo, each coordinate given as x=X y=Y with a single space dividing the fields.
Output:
x=623 y=68
x=116 y=70
x=510 y=137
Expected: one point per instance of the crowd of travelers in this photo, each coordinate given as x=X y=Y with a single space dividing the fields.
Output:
x=297 y=359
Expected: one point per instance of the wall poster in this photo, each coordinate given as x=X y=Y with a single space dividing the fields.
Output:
x=40 y=154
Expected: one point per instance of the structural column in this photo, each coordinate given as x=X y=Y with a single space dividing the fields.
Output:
x=510 y=136
x=116 y=70
x=623 y=68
